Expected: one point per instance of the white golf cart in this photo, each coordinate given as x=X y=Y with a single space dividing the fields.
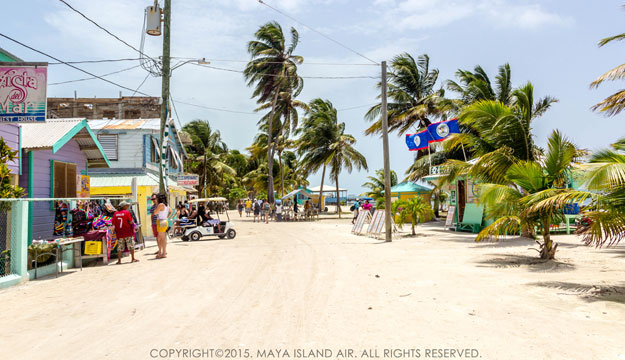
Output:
x=197 y=231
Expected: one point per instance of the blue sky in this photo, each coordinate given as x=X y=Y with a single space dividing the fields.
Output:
x=551 y=43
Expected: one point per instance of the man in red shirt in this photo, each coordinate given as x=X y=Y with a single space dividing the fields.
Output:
x=124 y=229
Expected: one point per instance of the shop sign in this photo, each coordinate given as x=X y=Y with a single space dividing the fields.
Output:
x=438 y=170
x=83 y=186
x=23 y=92
x=188 y=180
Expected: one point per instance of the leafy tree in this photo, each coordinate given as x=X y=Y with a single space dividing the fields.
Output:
x=7 y=190
x=614 y=103
x=411 y=210
x=236 y=194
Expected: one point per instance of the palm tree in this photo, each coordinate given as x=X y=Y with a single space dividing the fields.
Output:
x=376 y=184
x=614 y=103
x=476 y=86
x=272 y=70
x=316 y=134
x=519 y=202
x=206 y=144
x=411 y=209
x=413 y=101
x=604 y=214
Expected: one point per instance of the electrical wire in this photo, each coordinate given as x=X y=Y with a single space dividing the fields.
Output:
x=303 y=77
x=356 y=107
x=91 y=78
x=318 y=32
x=217 y=109
x=70 y=65
x=276 y=62
x=148 y=63
x=93 y=61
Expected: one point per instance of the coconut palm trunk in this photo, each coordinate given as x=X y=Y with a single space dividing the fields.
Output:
x=281 y=173
x=323 y=175
x=338 y=199
x=270 y=152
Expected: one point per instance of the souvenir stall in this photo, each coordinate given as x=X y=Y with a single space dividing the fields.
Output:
x=85 y=223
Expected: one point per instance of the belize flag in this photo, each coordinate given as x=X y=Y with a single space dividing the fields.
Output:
x=441 y=130
x=418 y=141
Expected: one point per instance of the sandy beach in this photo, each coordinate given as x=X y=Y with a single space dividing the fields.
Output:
x=305 y=286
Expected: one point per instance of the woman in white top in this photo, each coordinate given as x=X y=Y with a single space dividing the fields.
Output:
x=162 y=212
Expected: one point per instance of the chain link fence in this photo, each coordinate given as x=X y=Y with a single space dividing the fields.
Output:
x=6 y=235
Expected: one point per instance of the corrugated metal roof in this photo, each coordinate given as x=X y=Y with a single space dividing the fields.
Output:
x=126 y=124
x=44 y=135
x=51 y=134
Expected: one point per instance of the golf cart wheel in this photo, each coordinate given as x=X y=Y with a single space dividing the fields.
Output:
x=222 y=236
x=231 y=234
x=195 y=236
x=184 y=238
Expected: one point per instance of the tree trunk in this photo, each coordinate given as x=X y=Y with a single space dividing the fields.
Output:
x=338 y=199
x=414 y=224
x=323 y=175
x=205 y=176
x=548 y=250
x=281 y=173
x=436 y=203
x=270 y=197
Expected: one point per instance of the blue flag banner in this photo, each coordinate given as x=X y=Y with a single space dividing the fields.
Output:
x=418 y=141
x=441 y=130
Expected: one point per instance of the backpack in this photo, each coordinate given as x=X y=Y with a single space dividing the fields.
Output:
x=256 y=206
x=352 y=208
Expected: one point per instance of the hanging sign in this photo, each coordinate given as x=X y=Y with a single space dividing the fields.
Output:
x=188 y=180
x=23 y=92
x=83 y=186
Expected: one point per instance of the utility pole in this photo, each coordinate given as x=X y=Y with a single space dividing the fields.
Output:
x=387 y=165
x=165 y=94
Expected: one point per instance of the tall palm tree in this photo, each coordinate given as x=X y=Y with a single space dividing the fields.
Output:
x=206 y=144
x=316 y=134
x=474 y=86
x=519 y=202
x=413 y=101
x=272 y=70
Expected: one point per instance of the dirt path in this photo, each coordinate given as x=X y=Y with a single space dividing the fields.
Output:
x=316 y=286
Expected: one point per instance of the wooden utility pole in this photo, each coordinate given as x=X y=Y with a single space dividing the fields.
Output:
x=387 y=165
x=165 y=94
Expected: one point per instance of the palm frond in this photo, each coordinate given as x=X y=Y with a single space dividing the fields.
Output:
x=505 y=225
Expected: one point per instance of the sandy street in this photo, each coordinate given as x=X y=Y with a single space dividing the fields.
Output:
x=290 y=286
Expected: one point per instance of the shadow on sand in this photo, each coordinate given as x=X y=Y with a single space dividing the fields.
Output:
x=532 y=263
x=588 y=292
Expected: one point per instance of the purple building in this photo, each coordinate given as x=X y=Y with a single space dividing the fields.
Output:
x=53 y=155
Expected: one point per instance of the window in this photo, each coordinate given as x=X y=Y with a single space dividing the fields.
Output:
x=109 y=145
x=132 y=114
x=154 y=150
x=64 y=180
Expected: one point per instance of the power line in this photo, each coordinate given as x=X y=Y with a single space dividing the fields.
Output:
x=102 y=28
x=277 y=62
x=303 y=77
x=356 y=107
x=318 y=32
x=93 y=61
x=217 y=109
x=70 y=65
x=91 y=78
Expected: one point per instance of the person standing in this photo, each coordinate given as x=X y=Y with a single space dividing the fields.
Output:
x=240 y=207
x=256 y=210
x=152 y=216
x=367 y=206
x=162 y=212
x=248 y=207
x=125 y=231
x=267 y=211
x=278 y=212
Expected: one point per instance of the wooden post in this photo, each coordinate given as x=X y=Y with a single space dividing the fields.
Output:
x=387 y=166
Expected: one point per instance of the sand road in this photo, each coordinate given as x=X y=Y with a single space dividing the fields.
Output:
x=298 y=287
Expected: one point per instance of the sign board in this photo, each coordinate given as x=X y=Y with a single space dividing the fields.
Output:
x=438 y=170
x=449 y=221
x=23 y=92
x=364 y=216
x=188 y=180
x=83 y=186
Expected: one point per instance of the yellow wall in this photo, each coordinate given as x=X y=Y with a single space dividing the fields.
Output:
x=144 y=194
x=409 y=195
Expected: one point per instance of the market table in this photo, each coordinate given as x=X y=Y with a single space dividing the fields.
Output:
x=60 y=243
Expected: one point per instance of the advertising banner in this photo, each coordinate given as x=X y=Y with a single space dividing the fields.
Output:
x=23 y=92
